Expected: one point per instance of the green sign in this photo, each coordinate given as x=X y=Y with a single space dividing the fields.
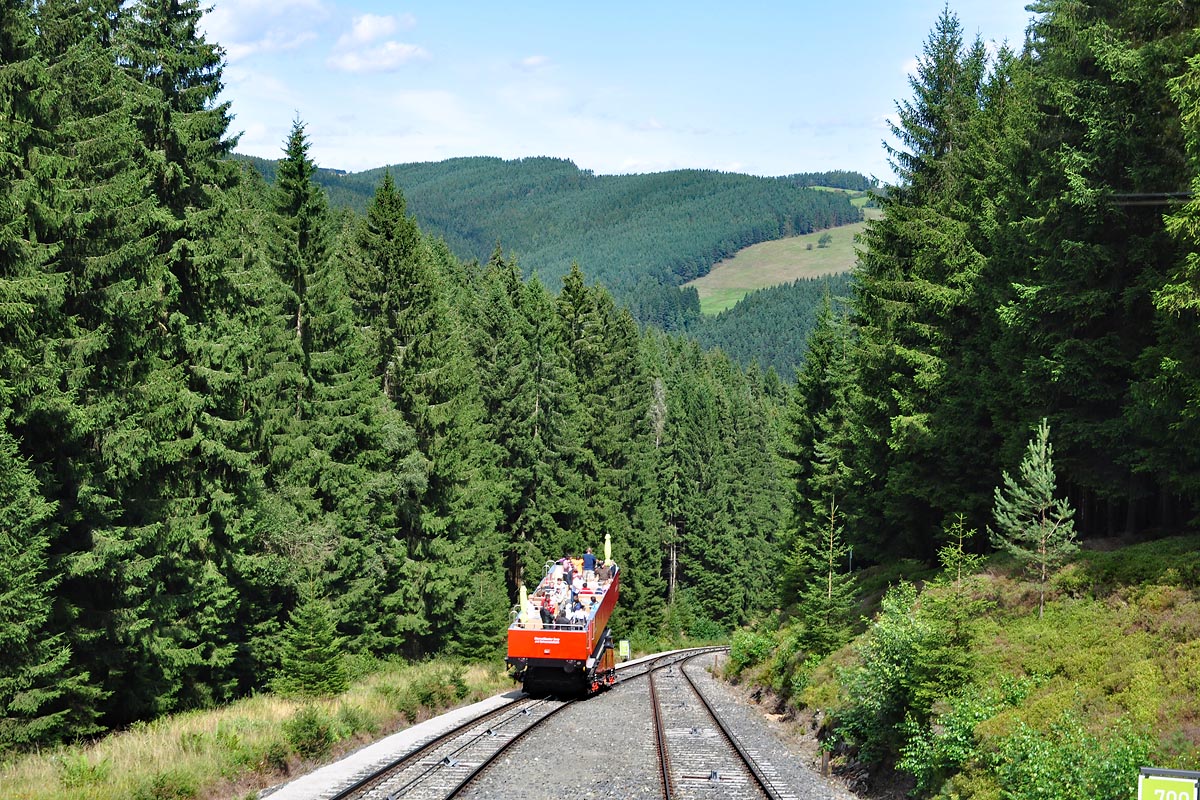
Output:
x=1166 y=787
x=623 y=651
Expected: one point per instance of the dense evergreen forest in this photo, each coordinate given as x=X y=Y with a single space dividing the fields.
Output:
x=231 y=415
x=641 y=236
x=1031 y=263
x=833 y=179
x=770 y=327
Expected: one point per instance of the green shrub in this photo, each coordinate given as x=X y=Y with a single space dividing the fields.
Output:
x=749 y=648
x=172 y=785
x=879 y=689
x=706 y=630
x=402 y=699
x=191 y=741
x=76 y=770
x=352 y=719
x=935 y=752
x=1068 y=761
x=275 y=756
x=458 y=682
x=359 y=665
x=309 y=732
x=802 y=674
x=437 y=688
x=783 y=660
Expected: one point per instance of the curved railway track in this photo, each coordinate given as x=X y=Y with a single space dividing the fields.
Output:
x=443 y=767
x=699 y=754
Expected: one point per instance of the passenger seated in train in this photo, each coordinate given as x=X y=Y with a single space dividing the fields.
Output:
x=578 y=615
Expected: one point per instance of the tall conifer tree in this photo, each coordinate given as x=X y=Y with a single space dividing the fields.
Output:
x=913 y=298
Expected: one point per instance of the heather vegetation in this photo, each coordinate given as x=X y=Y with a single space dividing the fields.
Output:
x=967 y=692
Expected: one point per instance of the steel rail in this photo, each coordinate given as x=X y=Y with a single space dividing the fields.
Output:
x=660 y=739
x=485 y=763
x=367 y=782
x=361 y=786
x=762 y=780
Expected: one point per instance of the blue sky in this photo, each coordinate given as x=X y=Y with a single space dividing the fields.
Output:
x=766 y=88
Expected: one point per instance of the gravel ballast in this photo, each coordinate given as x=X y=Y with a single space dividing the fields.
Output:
x=604 y=748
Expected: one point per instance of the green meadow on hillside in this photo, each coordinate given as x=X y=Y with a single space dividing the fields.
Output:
x=775 y=262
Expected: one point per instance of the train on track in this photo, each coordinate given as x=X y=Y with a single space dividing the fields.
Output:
x=553 y=653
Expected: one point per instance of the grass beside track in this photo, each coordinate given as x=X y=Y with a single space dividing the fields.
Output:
x=260 y=741
x=234 y=751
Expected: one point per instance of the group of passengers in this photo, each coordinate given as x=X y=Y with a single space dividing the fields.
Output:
x=571 y=590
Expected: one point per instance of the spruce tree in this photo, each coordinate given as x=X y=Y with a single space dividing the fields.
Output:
x=553 y=505
x=244 y=361
x=160 y=45
x=1031 y=523
x=1087 y=253
x=924 y=439
x=43 y=697
x=1166 y=394
x=604 y=354
x=825 y=599
x=105 y=429
x=500 y=349
x=311 y=663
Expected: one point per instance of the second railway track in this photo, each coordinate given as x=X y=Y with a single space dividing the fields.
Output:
x=440 y=768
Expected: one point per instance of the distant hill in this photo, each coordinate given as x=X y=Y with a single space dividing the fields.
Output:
x=642 y=236
x=835 y=179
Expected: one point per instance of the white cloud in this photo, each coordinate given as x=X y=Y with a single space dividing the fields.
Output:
x=273 y=42
x=246 y=27
x=384 y=58
x=533 y=63
x=367 y=29
x=650 y=124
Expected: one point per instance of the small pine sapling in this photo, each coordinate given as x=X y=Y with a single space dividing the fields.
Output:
x=1033 y=526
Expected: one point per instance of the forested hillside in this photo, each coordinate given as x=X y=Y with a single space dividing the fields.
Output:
x=770 y=327
x=234 y=421
x=1016 y=371
x=835 y=179
x=638 y=235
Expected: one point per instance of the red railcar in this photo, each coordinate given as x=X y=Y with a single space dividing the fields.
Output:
x=573 y=658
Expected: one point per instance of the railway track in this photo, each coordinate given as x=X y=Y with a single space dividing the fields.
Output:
x=445 y=766
x=699 y=755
